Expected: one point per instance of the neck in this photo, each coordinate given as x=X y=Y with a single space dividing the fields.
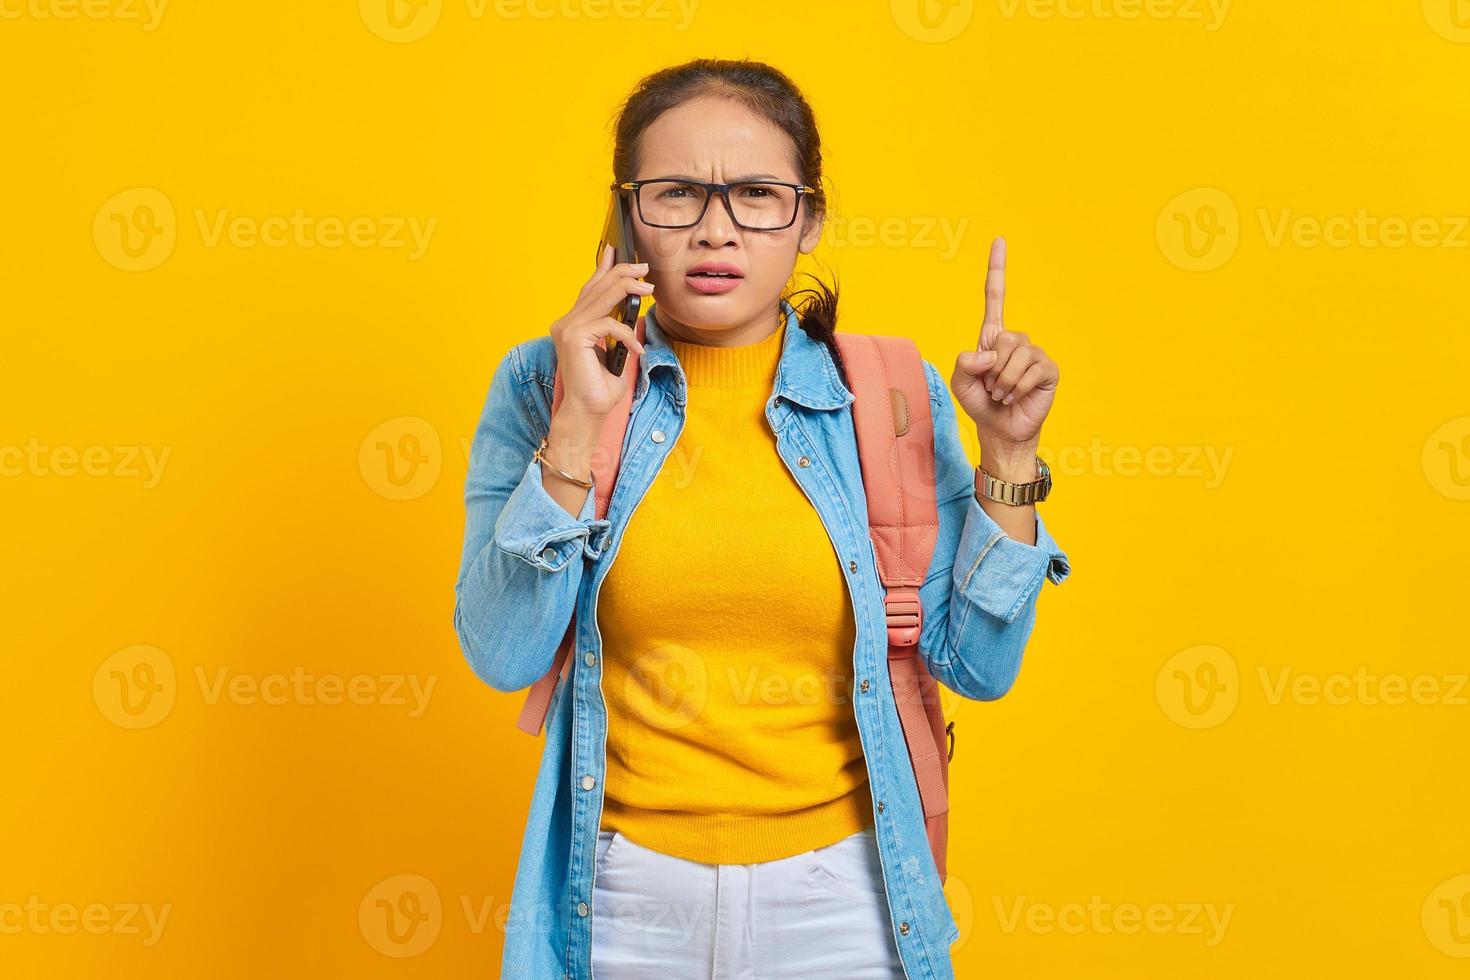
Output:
x=732 y=335
x=743 y=366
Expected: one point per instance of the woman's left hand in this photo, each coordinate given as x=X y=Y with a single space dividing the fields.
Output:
x=1007 y=383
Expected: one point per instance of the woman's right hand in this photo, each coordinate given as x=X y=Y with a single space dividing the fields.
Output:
x=588 y=389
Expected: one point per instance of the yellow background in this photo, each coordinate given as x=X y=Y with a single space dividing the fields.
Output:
x=1331 y=377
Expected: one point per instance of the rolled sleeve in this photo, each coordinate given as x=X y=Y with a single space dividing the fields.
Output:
x=536 y=529
x=1000 y=574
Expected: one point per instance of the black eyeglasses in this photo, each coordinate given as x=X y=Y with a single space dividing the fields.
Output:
x=755 y=205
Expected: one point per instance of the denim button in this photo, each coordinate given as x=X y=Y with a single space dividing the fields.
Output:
x=589 y=658
x=863 y=686
x=588 y=782
x=582 y=908
x=903 y=928
x=549 y=555
x=804 y=461
x=658 y=435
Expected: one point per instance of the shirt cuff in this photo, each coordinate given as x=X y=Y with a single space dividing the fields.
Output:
x=535 y=528
x=1000 y=574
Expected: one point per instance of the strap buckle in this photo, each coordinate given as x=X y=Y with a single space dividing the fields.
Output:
x=905 y=617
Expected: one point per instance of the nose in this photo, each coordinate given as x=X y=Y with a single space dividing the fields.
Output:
x=718 y=224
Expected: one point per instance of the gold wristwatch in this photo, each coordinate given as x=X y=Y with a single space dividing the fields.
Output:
x=1017 y=494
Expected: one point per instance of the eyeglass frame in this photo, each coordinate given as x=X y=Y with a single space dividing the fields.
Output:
x=723 y=190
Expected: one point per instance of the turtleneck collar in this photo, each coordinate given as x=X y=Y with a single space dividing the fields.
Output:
x=746 y=366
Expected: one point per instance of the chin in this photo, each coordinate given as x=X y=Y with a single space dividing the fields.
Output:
x=706 y=312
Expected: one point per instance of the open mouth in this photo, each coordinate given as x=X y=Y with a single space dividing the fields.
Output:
x=713 y=280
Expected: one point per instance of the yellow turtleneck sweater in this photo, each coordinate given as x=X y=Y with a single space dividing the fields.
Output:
x=728 y=638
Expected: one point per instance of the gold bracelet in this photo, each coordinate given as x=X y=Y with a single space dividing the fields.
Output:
x=540 y=457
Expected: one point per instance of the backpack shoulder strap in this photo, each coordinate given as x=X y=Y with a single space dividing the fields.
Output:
x=895 y=438
x=895 y=434
x=604 y=476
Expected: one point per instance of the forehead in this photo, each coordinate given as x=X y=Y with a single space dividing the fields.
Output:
x=715 y=138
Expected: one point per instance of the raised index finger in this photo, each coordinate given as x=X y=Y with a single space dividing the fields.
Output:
x=995 y=294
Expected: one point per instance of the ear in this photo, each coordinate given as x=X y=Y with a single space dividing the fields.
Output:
x=811 y=233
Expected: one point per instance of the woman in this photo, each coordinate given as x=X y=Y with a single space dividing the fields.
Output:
x=727 y=794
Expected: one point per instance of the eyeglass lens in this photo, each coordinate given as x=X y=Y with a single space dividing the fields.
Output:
x=754 y=204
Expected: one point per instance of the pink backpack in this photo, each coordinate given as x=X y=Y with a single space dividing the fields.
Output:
x=895 y=437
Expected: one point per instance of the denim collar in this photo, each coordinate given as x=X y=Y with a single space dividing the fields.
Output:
x=805 y=374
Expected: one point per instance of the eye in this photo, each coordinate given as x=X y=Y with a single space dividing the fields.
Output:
x=676 y=191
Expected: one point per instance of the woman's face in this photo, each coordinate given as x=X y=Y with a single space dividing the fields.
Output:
x=717 y=139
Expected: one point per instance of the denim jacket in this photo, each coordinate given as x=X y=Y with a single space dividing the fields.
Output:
x=528 y=566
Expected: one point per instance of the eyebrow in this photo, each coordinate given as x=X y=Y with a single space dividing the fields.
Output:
x=736 y=180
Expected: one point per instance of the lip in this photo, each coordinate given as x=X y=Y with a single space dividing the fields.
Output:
x=710 y=284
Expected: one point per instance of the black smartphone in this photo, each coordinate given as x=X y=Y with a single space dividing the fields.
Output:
x=617 y=231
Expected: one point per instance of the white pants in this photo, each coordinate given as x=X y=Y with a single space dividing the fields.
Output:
x=822 y=913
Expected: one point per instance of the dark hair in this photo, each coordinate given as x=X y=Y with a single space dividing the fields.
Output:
x=768 y=92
